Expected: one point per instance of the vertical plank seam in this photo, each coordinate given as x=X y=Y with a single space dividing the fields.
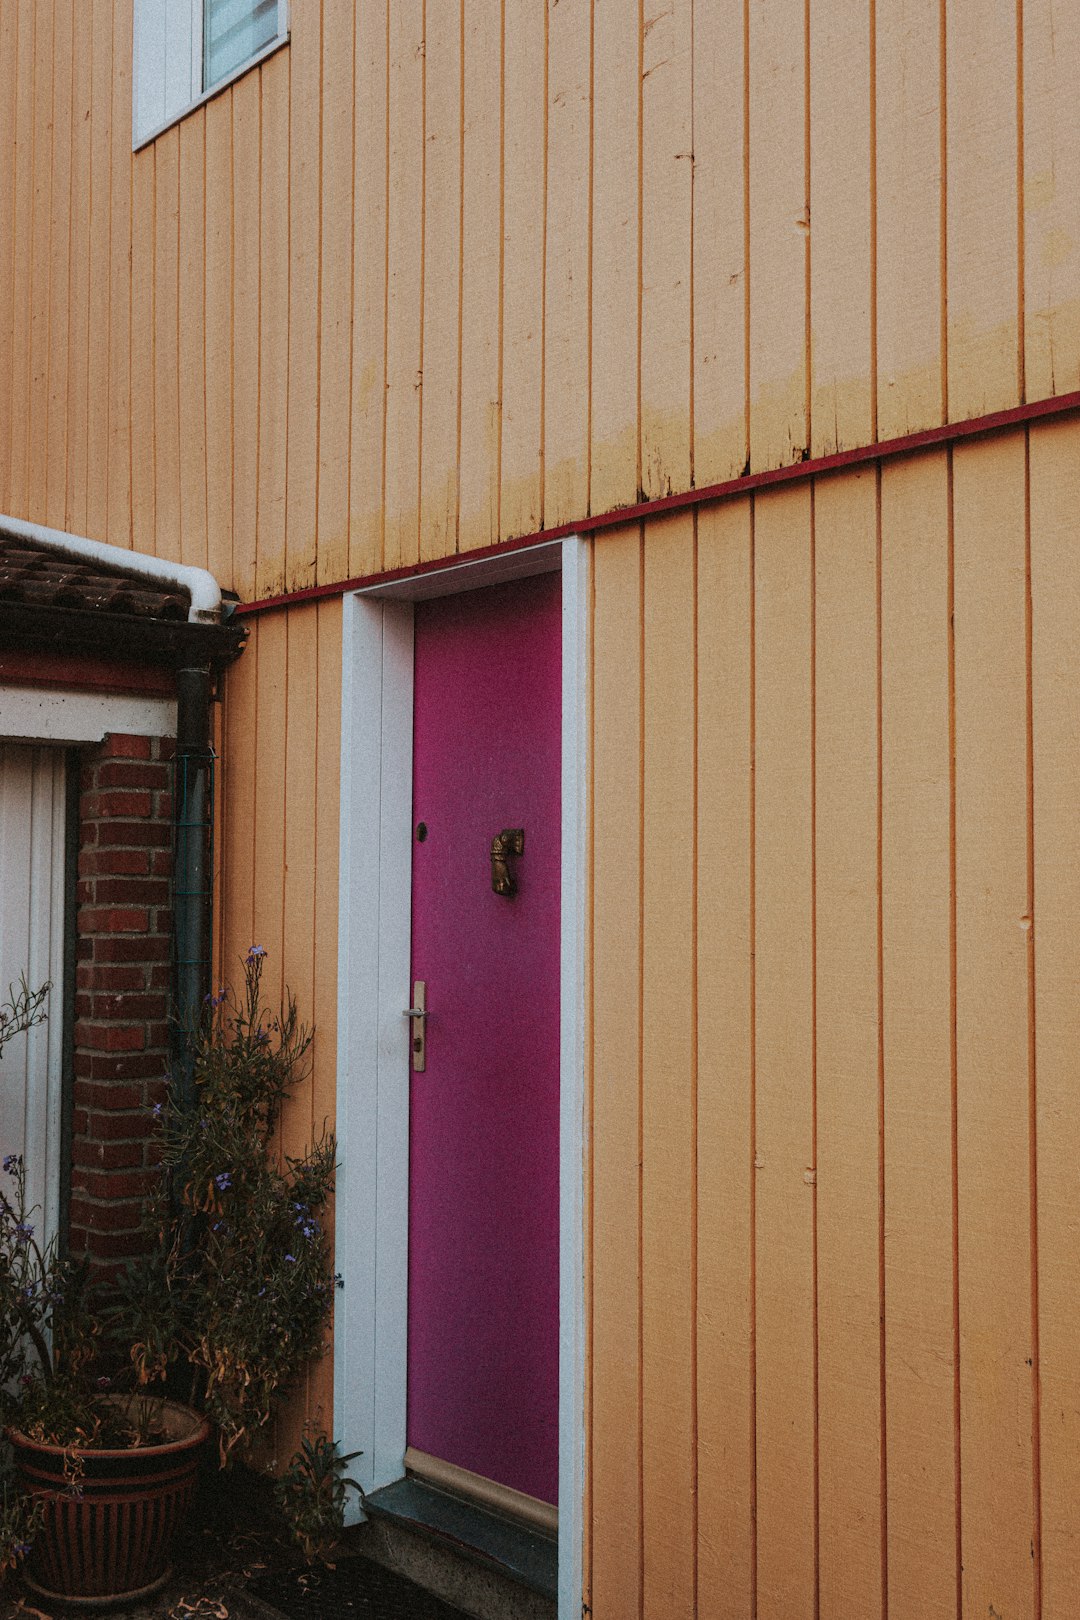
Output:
x=694 y=1076
x=423 y=267
x=180 y=131
x=543 y=269
x=589 y=264
x=641 y=1077
x=692 y=345
x=953 y=1051
x=49 y=277
x=288 y=338
x=462 y=35
x=746 y=248
x=883 y=1442
x=639 y=471
x=1033 y=1113
x=386 y=300
x=943 y=213
x=9 y=301
x=205 y=324
x=502 y=264
x=814 y=1044
x=314 y=573
x=752 y=740
x=352 y=290
x=1021 y=335
x=152 y=389
x=72 y=295
x=874 y=253
x=808 y=347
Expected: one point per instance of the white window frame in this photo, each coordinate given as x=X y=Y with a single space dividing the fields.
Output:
x=167 y=56
x=371 y=1316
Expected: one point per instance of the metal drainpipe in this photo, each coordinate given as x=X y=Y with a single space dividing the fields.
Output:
x=193 y=877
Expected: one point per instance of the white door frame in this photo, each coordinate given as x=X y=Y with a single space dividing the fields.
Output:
x=373 y=1037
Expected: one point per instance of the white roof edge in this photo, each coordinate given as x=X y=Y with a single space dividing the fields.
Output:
x=203 y=588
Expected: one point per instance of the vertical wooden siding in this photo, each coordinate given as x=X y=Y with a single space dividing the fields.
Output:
x=835 y=1143
x=439 y=274
x=279 y=740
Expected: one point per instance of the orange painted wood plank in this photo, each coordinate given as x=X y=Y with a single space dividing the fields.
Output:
x=246 y=97
x=9 y=46
x=298 y=762
x=218 y=289
x=304 y=134
x=1055 y=591
x=524 y=190
x=721 y=300
x=59 y=265
x=443 y=357
x=22 y=213
x=78 y=324
x=273 y=325
x=668 y=1047
x=192 y=339
x=667 y=143
x=118 y=490
x=849 y=1280
x=615 y=1456
x=992 y=937
x=142 y=350
x=1051 y=198
x=166 y=264
x=916 y=993
x=908 y=222
x=783 y=1012
x=616 y=204
x=566 y=288
x=237 y=836
x=984 y=331
x=842 y=188
x=481 y=274
x=336 y=290
x=369 y=292
x=37 y=399
x=404 y=262
x=725 y=1069
x=101 y=100
x=779 y=227
x=266 y=829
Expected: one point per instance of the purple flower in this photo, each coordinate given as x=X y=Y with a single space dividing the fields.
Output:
x=255 y=953
x=23 y=1233
x=223 y=1181
x=291 y=1258
x=157 y=1110
x=12 y=1163
x=210 y=1000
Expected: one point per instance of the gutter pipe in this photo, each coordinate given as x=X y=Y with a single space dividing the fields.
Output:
x=192 y=877
x=201 y=586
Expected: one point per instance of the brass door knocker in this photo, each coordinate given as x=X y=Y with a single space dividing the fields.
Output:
x=510 y=842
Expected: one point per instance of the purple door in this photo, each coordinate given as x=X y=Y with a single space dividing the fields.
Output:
x=484 y=1120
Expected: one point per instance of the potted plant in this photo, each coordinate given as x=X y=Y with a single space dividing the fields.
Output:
x=112 y=1392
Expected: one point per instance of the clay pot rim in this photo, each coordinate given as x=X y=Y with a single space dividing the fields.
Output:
x=199 y=1434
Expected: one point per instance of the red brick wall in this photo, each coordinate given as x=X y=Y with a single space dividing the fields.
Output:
x=123 y=978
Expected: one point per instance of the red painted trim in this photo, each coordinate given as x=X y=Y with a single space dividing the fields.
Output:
x=883 y=450
x=62 y=669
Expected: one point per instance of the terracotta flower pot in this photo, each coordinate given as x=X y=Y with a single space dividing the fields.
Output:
x=108 y=1539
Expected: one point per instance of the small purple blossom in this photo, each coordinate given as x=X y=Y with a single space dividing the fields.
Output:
x=157 y=1110
x=291 y=1258
x=223 y=1181
x=23 y=1233
x=255 y=953
x=262 y=1037
x=12 y=1163
x=214 y=1001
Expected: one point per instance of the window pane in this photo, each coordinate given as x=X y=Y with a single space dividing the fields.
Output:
x=235 y=30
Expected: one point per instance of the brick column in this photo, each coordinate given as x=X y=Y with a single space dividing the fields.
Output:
x=123 y=977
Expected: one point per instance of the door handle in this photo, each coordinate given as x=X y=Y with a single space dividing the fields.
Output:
x=510 y=842
x=417 y=1016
